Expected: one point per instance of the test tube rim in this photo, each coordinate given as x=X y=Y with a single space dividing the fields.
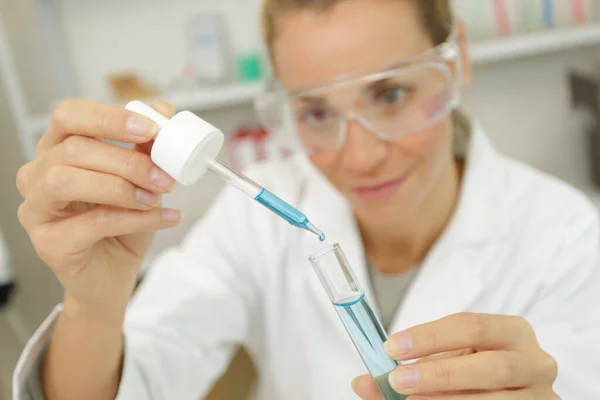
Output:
x=335 y=250
x=324 y=251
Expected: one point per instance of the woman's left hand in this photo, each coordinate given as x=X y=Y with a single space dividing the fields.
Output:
x=468 y=357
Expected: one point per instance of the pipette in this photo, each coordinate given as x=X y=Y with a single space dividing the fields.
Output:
x=186 y=147
x=264 y=197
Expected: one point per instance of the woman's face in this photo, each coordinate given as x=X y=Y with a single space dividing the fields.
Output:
x=383 y=180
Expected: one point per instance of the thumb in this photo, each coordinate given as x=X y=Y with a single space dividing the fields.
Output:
x=166 y=109
x=364 y=386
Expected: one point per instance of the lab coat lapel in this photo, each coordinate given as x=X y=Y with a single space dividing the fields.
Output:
x=445 y=285
x=448 y=280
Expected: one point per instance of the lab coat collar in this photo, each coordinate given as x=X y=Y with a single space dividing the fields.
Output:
x=481 y=214
x=446 y=282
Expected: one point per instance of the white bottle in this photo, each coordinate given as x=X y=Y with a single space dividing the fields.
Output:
x=206 y=48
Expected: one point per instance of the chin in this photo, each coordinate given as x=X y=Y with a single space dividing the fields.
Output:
x=382 y=214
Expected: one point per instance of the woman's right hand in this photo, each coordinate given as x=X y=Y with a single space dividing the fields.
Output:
x=90 y=207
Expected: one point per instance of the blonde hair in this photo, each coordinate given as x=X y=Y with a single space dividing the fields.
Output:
x=436 y=15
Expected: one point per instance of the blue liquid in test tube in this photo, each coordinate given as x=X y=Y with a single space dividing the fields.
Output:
x=368 y=337
x=357 y=316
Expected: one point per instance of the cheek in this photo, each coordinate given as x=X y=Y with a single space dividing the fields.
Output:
x=328 y=163
x=428 y=149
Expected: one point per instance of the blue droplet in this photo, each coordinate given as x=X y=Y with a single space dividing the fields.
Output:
x=322 y=237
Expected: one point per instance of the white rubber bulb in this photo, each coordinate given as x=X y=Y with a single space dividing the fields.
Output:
x=184 y=143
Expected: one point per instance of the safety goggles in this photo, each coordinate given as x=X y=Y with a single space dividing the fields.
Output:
x=400 y=99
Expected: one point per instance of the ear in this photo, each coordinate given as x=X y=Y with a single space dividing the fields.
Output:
x=464 y=54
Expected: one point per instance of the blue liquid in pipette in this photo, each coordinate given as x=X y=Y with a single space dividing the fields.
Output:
x=368 y=337
x=287 y=212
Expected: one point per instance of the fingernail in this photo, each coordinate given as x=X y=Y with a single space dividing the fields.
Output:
x=404 y=378
x=161 y=179
x=170 y=215
x=146 y=198
x=354 y=382
x=399 y=345
x=141 y=127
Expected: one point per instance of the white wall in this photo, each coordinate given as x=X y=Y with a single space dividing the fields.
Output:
x=525 y=106
x=105 y=38
x=34 y=66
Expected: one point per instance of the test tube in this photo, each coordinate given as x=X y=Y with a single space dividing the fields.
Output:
x=357 y=316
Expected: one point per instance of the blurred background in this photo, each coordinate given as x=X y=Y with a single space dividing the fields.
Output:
x=536 y=90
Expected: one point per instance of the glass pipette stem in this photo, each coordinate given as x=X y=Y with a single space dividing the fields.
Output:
x=264 y=197
x=234 y=178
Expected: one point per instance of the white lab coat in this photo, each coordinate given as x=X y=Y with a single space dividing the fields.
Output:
x=520 y=243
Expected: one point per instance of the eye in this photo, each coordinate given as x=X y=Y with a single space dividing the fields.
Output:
x=317 y=116
x=390 y=95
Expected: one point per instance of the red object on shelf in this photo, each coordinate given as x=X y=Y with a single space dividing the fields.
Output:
x=252 y=144
x=502 y=17
x=579 y=11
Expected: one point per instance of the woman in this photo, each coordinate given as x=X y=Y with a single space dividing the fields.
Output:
x=485 y=270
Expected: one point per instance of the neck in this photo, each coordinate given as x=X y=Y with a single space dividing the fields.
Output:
x=407 y=242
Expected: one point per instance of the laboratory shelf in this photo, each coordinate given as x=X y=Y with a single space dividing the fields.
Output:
x=195 y=99
x=535 y=43
x=202 y=99
x=482 y=53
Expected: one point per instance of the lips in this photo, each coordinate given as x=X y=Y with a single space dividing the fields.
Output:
x=379 y=191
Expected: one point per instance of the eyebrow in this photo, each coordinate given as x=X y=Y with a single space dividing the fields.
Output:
x=311 y=99
x=322 y=100
x=378 y=84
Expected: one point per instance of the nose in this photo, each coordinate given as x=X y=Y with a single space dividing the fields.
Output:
x=363 y=151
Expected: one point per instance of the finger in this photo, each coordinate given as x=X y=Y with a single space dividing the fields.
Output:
x=61 y=242
x=64 y=184
x=94 y=155
x=24 y=178
x=501 y=395
x=442 y=356
x=461 y=331
x=87 y=118
x=364 y=386
x=491 y=370
x=166 y=109
x=92 y=226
